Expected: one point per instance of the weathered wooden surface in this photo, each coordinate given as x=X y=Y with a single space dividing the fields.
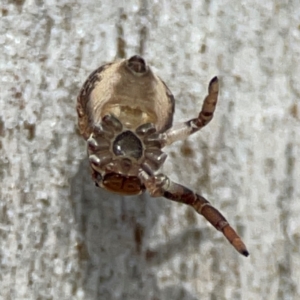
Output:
x=62 y=238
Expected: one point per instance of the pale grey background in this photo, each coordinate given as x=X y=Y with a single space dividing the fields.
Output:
x=62 y=238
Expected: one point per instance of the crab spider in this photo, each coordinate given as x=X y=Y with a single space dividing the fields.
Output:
x=125 y=112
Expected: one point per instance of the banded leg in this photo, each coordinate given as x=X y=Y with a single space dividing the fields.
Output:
x=183 y=130
x=161 y=185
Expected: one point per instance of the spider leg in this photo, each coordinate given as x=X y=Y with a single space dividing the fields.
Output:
x=161 y=185
x=183 y=130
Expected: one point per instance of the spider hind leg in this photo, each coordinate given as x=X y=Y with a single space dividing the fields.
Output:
x=161 y=185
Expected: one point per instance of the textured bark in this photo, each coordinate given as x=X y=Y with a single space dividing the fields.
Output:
x=62 y=238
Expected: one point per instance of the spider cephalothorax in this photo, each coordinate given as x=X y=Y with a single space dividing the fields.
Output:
x=126 y=113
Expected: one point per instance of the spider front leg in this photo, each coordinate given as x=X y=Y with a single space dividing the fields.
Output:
x=161 y=185
x=183 y=130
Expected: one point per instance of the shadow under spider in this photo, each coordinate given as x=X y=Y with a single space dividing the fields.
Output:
x=113 y=251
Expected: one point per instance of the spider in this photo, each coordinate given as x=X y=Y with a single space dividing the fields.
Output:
x=125 y=112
